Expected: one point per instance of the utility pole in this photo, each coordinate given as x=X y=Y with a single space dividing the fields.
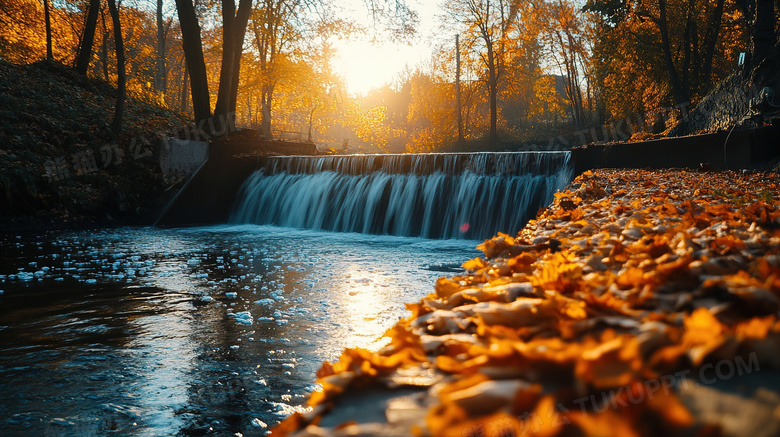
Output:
x=457 y=88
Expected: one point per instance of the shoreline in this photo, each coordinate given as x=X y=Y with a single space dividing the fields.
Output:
x=629 y=278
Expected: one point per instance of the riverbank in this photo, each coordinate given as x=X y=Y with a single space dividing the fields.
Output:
x=60 y=165
x=638 y=303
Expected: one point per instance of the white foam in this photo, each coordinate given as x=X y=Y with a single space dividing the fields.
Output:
x=244 y=317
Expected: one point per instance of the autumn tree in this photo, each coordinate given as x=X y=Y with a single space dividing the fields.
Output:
x=47 y=18
x=163 y=27
x=23 y=33
x=548 y=103
x=695 y=42
x=116 y=125
x=307 y=94
x=321 y=89
x=234 y=24
x=274 y=32
x=522 y=71
x=196 y=64
x=565 y=32
x=690 y=15
x=430 y=119
x=761 y=19
x=487 y=23
x=104 y=46
x=88 y=37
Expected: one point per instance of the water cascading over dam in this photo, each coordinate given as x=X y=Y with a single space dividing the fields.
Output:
x=458 y=195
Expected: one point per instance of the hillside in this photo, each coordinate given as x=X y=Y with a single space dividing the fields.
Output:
x=60 y=165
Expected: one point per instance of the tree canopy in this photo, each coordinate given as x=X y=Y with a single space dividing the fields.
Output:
x=530 y=74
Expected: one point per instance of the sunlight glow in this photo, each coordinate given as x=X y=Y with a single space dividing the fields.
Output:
x=366 y=66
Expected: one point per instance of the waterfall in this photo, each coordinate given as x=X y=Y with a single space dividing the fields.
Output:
x=456 y=195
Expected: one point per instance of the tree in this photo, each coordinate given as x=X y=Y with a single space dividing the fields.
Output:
x=88 y=38
x=489 y=22
x=196 y=64
x=458 y=105
x=429 y=116
x=319 y=84
x=47 y=19
x=161 y=72
x=654 y=53
x=272 y=16
x=566 y=35
x=234 y=23
x=104 y=46
x=273 y=31
x=685 y=32
x=521 y=74
x=116 y=125
x=548 y=103
x=762 y=36
x=680 y=85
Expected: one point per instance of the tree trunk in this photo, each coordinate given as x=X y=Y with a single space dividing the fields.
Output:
x=47 y=20
x=160 y=78
x=763 y=38
x=266 y=28
x=85 y=51
x=116 y=126
x=226 y=69
x=570 y=60
x=234 y=80
x=710 y=43
x=680 y=95
x=687 y=36
x=233 y=29
x=492 y=91
x=184 y=100
x=458 y=107
x=104 y=47
x=311 y=122
x=249 y=110
x=193 y=53
x=266 y=100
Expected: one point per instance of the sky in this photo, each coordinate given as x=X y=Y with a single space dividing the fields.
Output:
x=365 y=65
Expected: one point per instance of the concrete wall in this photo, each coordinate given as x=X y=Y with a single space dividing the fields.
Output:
x=718 y=151
x=207 y=198
x=221 y=166
x=182 y=157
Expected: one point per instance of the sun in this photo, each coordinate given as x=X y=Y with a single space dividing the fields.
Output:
x=366 y=66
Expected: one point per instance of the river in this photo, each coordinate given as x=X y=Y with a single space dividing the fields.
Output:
x=192 y=331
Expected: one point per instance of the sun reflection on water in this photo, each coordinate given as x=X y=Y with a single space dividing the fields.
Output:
x=365 y=296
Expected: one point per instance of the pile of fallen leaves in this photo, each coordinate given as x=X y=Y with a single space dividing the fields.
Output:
x=581 y=324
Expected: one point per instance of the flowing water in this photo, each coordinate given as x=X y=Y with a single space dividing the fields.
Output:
x=220 y=330
x=470 y=196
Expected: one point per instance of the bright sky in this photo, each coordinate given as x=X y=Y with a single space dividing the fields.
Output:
x=365 y=66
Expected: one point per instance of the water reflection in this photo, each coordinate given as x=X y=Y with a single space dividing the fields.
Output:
x=192 y=331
